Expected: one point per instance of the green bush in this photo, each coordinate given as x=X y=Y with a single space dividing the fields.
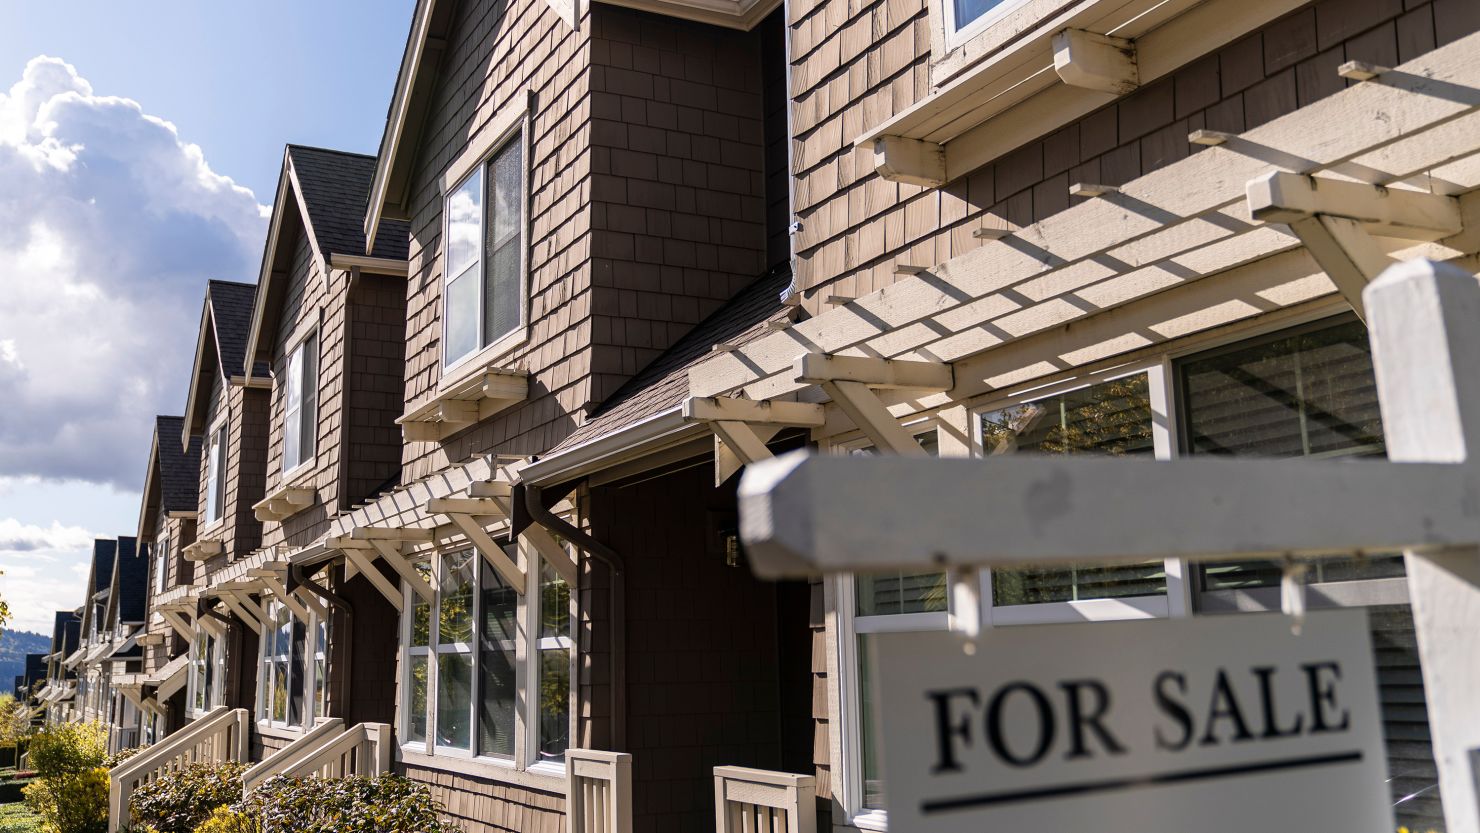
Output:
x=18 y=818
x=385 y=804
x=122 y=755
x=70 y=793
x=227 y=820
x=180 y=801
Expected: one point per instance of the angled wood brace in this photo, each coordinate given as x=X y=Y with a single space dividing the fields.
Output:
x=388 y=543
x=358 y=555
x=742 y=427
x=246 y=610
x=850 y=382
x=1336 y=219
x=300 y=605
x=179 y=625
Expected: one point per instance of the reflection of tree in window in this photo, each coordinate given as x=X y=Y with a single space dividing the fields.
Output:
x=554 y=660
x=1112 y=417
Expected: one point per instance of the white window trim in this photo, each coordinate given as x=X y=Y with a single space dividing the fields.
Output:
x=161 y=562
x=523 y=767
x=510 y=125
x=305 y=463
x=218 y=429
x=310 y=671
x=216 y=661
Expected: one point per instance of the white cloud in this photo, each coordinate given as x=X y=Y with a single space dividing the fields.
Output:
x=110 y=225
x=45 y=568
x=16 y=537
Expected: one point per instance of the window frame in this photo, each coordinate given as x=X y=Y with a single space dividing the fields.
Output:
x=215 y=486
x=205 y=671
x=313 y=710
x=161 y=548
x=307 y=416
x=526 y=668
x=476 y=161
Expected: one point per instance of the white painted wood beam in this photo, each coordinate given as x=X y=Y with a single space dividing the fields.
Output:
x=741 y=440
x=1095 y=62
x=375 y=533
x=391 y=552
x=1425 y=349
x=242 y=613
x=553 y=552
x=755 y=412
x=816 y=368
x=179 y=625
x=490 y=489
x=299 y=607
x=1346 y=253
x=911 y=161
x=869 y=415
x=490 y=550
x=1283 y=197
x=362 y=561
x=244 y=598
x=727 y=461
x=478 y=507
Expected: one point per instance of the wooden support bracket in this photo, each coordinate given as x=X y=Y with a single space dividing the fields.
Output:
x=816 y=368
x=1346 y=253
x=741 y=439
x=362 y=561
x=862 y=405
x=179 y=625
x=1096 y=62
x=1282 y=197
x=299 y=607
x=764 y=412
x=239 y=607
x=377 y=533
x=490 y=550
x=912 y=161
x=390 y=550
x=478 y=507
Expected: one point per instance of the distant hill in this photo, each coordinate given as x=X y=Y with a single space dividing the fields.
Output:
x=14 y=645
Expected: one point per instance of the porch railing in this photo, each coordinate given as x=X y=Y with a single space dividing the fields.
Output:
x=758 y=801
x=599 y=791
x=293 y=754
x=221 y=735
x=363 y=750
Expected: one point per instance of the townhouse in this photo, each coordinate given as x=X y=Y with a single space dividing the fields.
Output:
x=57 y=696
x=465 y=503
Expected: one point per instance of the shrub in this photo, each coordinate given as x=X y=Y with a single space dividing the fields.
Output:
x=180 y=801
x=122 y=755
x=74 y=802
x=228 y=820
x=385 y=804
x=18 y=818
x=70 y=793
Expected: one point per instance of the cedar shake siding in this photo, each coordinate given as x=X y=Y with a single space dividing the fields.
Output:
x=647 y=211
x=359 y=321
x=854 y=65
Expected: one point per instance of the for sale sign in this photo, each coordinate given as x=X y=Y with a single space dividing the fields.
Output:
x=1207 y=725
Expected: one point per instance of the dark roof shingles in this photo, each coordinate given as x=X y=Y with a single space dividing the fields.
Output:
x=335 y=189
x=664 y=383
x=231 y=315
x=179 y=469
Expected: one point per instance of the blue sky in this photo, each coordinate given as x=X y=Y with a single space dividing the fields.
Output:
x=136 y=160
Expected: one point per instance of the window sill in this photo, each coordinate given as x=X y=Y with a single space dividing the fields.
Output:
x=287 y=500
x=1002 y=86
x=269 y=730
x=483 y=391
x=204 y=549
x=542 y=777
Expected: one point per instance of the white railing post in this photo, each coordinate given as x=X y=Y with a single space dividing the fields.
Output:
x=292 y=754
x=598 y=791
x=1425 y=324
x=759 y=801
x=204 y=740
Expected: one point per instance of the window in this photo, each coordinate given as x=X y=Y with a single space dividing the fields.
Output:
x=1307 y=393
x=465 y=665
x=291 y=685
x=161 y=563
x=202 y=683
x=483 y=292
x=215 y=471
x=300 y=403
x=962 y=14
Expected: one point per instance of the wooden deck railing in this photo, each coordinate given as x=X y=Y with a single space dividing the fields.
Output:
x=758 y=801
x=220 y=735
x=363 y=750
x=599 y=791
x=293 y=754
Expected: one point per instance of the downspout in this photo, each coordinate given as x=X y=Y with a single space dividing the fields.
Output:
x=298 y=578
x=534 y=504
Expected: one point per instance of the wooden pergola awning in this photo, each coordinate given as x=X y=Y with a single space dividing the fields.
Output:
x=1383 y=170
x=468 y=501
x=169 y=679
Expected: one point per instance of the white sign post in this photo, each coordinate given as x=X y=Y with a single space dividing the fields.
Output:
x=808 y=515
x=1211 y=725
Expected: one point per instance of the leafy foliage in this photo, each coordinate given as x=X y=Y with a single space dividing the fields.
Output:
x=228 y=820
x=18 y=818
x=122 y=755
x=384 y=804
x=70 y=793
x=15 y=720
x=181 y=801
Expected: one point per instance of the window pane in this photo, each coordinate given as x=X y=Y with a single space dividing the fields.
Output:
x=454 y=699
x=464 y=215
x=308 y=412
x=296 y=658
x=497 y=697
x=554 y=661
x=421 y=612
x=501 y=312
x=455 y=599
x=1111 y=417
x=969 y=10
x=890 y=593
x=873 y=785
x=462 y=317
x=416 y=728
x=1311 y=393
x=508 y=189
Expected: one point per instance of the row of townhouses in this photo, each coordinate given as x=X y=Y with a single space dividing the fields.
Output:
x=454 y=491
